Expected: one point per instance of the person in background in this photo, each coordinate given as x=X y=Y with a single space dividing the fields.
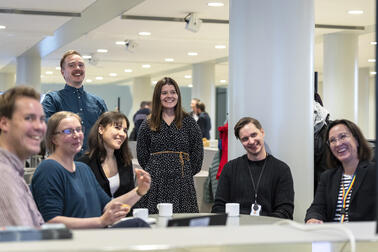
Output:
x=203 y=121
x=170 y=148
x=346 y=191
x=73 y=97
x=67 y=191
x=139 y=117
x=259 y=182
x=108 y=154
x=193 y=105
x=22 y=128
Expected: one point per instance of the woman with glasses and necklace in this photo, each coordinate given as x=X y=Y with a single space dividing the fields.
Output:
x=67 y=192
x=346 y=191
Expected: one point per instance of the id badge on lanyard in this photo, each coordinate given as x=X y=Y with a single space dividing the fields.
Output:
x=255 y=209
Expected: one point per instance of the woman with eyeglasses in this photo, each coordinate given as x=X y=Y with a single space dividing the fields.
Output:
x=346 y=192
x=67 y=192
x=109 y=156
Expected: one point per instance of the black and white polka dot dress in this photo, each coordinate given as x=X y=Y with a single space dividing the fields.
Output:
x=172 y=156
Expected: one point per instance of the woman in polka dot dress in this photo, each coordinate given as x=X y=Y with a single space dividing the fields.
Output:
x=169 y=147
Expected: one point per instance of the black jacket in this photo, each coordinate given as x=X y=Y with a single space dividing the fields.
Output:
x=126 y=175
x=362 y=201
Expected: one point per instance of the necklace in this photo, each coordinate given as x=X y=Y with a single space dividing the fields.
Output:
x=256 y=188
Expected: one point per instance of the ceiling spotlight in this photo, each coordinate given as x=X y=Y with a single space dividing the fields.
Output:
x=371 y=60
x=99 y=78
x=355 y=12
x=215 y=4
x=87 y=56
x=169 y=60
x=190 y=85
x=154 y=82
x=102 y=50
x=120 y=42
x=88 y=80
x=222 y=81
x=373 y=43
x=192 y=53
x=144 y=33
x=49 y=73
x=127 y=70
x=146 y=66
x=113 y=74
x=193 y=22
x=187 y=76
x=57 y=68
x=220 y=46
x=2 y=27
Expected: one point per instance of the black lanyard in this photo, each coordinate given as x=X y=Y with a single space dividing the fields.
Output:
x=256 y=188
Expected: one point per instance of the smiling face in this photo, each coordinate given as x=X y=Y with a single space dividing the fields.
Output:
x=114 y=134
x=69 y=144
x=343 y=144
x=73 y=70
x=168 y=97
x=252 y=140
x=26 y=129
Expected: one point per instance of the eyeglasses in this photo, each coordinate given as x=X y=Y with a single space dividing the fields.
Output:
x=70 y=131
x=342 y=137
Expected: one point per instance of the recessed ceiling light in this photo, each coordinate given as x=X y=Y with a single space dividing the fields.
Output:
x=154 y=82
x=99 y=78
x=190 y=85
x=373 y=73
x=220 y=46
x=127 y=70
x=120 y=42
x=49 y=72
x=371 y=60
x=102 y=50
x=373 y=43
x=42 y=76
x=2 y=27
x=222 y=81
x=57 y=68
x=192 y=53
x=215 y=4
x=88 y=80
x=146 y=66
x=169 y=60
x=355 y=12
x=113 y=74
x=187 y=76
x=87 y=57
x=144 y=33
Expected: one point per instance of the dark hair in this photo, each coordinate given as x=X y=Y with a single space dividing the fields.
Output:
x=156 y=117
x=8 y=99
x=96 y=142
x=201 y=106
x=318 y=99
x=53 y=124
x=244 y=121
x=145 y=103
x=68 y=53
x=363 y=149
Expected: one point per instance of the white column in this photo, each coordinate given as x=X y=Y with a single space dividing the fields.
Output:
x=204 y=89
x=340 y=75
x=7 y=80
x=372 y=117
x=141 y=91
x=363 y=100
x=29 y=71
x=271 y=79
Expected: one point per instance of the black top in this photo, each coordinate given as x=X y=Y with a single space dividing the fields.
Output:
x=126 y=175
x=275 y=191
x=204 y=123
x=362 y=201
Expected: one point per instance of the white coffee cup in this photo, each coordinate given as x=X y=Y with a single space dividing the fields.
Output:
x=232 y=209
x=141 y=213
x=165 y=209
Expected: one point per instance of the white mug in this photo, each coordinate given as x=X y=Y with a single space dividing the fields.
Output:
x=232 y=209
x=141 y=213
x=165 y=209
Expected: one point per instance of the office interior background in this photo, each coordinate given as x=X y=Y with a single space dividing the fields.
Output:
x=129 y=45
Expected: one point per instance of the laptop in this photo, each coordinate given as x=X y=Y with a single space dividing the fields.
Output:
x=199 y=221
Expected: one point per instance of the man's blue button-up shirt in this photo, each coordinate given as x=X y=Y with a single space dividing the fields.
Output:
x=88 y=106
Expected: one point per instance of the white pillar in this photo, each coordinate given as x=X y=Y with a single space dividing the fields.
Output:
x=340 y=75
x=29 y=71
x=204 y=89
x=271 y=79
x=372 y=117
x=141 y=91
x=363 y=100
x=7 y=80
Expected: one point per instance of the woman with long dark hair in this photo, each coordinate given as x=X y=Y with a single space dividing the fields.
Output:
x=170 y=148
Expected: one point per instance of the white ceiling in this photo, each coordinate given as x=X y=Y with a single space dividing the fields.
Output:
x=167 y=40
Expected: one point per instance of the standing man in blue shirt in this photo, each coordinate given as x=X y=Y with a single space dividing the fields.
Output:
x=73 y=98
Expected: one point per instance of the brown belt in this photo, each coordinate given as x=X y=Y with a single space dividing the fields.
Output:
x=182 y=156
